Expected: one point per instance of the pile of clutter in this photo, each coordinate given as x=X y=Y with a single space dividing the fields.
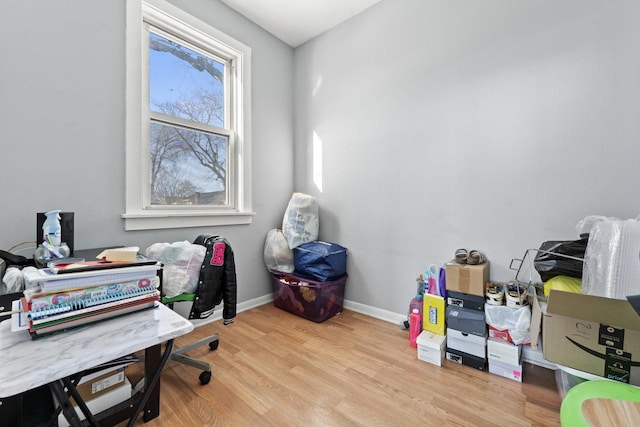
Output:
x=593 y=285
x=308 y=275
x=469 y=320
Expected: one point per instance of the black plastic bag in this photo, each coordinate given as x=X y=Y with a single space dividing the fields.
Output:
x=550 y=263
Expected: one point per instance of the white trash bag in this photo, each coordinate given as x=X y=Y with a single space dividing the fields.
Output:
x=277 y=254
x=181 y=266
x=301 y=223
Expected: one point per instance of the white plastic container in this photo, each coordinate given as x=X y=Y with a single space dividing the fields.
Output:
x=566 y=378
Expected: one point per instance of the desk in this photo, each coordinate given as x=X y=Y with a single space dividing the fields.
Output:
x=26 y=364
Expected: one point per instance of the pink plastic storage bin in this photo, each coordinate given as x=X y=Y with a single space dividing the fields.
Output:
x=313 y=300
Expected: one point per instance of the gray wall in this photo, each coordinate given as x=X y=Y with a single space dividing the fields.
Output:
x=490 y=124
x=62 y=77
x=493 y=125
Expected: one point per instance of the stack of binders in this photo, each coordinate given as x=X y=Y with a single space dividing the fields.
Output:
x=55 y=302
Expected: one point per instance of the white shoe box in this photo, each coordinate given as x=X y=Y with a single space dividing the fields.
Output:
x=513 y=372
x=467 y=343
x=503 y=351
x=431 y=347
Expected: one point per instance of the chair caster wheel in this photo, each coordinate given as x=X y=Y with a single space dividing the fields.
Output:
x=214 y=344
x=205 y=377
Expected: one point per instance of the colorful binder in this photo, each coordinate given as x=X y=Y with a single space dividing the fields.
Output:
x=54 y=312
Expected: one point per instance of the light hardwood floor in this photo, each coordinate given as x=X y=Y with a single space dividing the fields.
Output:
x=276 y=369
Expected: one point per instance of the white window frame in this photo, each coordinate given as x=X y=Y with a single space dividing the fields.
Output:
x=139 y=215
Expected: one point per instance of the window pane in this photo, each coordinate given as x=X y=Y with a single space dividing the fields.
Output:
x=187 y=167
x=185 y=83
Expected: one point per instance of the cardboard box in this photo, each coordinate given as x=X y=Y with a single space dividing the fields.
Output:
x=467 y=343
x=462 y=300
x=536 y=320
x=468 y=279
x=593 y=334
x=102 y=402
x=503 y=351
x=513 y=372
x=465 y=320
x=433 y=314
x=99 y=383
x=431 y=347
x=466 y=359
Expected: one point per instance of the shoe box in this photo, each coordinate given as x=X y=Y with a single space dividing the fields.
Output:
x=505 y=359
x=462 y=300
x=467 y=320
x=466 y=337
x=467 y=343
x=504 y=351
x=513 y=372
x=466 y=359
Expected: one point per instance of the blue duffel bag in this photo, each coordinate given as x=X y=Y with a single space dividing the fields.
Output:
x=320 y=260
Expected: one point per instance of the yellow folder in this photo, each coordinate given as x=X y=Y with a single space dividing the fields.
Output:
x=433 y=314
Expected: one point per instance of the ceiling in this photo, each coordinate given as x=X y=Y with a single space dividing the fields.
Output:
x=297 y=21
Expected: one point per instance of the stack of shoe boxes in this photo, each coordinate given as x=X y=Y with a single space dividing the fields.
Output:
x=466 y=325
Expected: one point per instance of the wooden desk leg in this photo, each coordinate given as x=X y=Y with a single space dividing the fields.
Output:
x=151 y=362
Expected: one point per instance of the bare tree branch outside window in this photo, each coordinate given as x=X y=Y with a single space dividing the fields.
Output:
x=187 y=165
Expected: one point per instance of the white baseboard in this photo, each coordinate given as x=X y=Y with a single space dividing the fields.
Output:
x=378 y=313
x=217 y=315
x=368 y=310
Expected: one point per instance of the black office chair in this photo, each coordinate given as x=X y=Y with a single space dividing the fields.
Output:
x=178 y=353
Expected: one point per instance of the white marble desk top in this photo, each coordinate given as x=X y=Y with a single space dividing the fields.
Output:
x=26 y=364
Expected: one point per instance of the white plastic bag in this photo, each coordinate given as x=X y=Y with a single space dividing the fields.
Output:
x=277 y=254
x=301 y=223
x=516 y=321
x=181 y=266
x=13 y=280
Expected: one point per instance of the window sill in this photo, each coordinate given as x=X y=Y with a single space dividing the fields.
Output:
x=155 y=221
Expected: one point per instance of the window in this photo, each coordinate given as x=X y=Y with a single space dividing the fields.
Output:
x=187 y=122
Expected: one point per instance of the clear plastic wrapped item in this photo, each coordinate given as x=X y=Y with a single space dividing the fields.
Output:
x=612 y=259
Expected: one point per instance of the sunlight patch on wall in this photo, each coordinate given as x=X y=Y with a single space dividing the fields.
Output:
x=316 y=88
x=317 y=161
